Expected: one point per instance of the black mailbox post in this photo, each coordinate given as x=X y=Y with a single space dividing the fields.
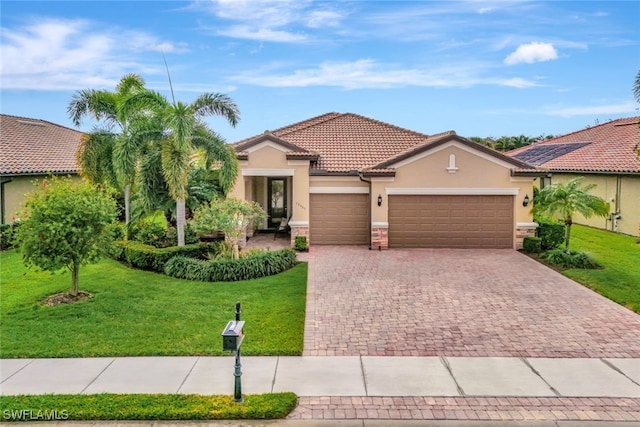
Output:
x=232 y=337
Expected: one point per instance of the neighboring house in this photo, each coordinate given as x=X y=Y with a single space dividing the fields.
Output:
x=31 y=149
x=606 y=155
x=347 y=179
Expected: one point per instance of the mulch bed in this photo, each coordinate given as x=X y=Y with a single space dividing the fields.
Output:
x=66 y=298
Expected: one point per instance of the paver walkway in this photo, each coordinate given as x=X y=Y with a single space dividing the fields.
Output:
x=446 y=302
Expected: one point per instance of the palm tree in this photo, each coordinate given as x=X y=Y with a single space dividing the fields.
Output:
x=565 y=200
x=636 y=87
x=184 y=132
x=105 y=155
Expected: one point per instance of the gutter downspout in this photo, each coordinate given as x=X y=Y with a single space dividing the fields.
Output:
x=3 y=181
x=369 y=210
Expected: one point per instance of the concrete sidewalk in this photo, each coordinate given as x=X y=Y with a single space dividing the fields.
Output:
x=308 y=376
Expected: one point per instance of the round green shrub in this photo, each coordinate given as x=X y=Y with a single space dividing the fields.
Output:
x=570 y=259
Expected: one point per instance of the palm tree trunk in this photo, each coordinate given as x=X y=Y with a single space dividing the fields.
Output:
x=74 y=279
x=127 y=208
x=180 y=219
x=567 y=224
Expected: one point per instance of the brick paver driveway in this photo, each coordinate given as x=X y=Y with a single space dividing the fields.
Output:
x=447 y=302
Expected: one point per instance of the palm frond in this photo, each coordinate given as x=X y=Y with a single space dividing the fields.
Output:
x=217 y=104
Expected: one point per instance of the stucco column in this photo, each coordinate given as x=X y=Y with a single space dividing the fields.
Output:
x=379 y=214
x=300 y=200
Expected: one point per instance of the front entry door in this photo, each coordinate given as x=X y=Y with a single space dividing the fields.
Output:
x=277 y=200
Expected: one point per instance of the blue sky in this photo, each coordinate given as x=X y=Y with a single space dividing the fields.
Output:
x=481 y=68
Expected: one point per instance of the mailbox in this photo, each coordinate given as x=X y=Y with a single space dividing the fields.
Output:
x=232 y=335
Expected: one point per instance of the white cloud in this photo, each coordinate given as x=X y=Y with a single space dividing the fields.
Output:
x=273 y=20
x=532 y=52
x=261 y=34
x=621 y=108
x=61 y=54
x=370 y=74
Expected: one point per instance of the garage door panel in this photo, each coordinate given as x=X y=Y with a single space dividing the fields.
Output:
x=339 y=219
x=451 y=221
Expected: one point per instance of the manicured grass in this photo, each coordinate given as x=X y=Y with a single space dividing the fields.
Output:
x=619 y=280
x=140 y=313
x=53 y=407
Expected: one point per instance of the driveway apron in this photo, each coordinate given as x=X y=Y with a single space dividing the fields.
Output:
x=448 y=302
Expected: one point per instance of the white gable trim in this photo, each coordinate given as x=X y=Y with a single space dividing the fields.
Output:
x=267 y=144
x=267 y=172
x=446 y=145
x=460 y=191
x=339 y=190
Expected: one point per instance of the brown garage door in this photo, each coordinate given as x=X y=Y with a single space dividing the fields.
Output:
x=339 y=219
x=451 y=221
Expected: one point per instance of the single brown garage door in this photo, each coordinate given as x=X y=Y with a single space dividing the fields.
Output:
x=451 y=221
x=339 y=219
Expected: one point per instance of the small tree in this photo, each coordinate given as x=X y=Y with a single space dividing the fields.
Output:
x=64 y=226
x=565 y=200
x=230 y=215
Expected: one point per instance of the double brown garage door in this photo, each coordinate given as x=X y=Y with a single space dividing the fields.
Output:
x=339 y=219
x=439 y=221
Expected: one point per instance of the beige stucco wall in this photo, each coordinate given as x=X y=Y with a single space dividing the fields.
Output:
x=606 y=185
x=474 y=171
x=15 y=194
x=269 y=159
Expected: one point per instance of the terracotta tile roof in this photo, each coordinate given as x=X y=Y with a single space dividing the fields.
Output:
x=32 y=146
x=346 y=142
x=607 y=148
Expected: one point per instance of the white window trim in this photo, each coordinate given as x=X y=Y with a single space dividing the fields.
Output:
x=339 y=190
x=267 y=172
x=461 y=191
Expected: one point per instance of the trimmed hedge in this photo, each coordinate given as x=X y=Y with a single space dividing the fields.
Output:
x=551 y=233
x=532 y=245
x=147 y=257
x=258 y=264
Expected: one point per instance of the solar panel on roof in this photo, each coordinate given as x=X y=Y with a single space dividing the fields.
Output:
x=540 y=154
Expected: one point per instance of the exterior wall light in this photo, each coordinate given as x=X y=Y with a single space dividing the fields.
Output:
x=525 y=202
x=379 y=199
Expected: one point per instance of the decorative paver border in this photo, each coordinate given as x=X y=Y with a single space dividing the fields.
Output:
x=469 y=408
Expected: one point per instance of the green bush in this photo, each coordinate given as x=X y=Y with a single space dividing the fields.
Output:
x=300 y=244
x=147 y=257
x=190 y=236
x=7 y=231
x=532 y=245
x=551 y=233
x=253 y=266
x=151 y=233
x=571 y=259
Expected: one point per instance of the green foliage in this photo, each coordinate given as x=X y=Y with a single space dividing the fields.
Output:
x=551 y=233
x=7 y=233
x=230 y=215
x=253 y=266
x=531 y=245
x=143 y=313
x=570 y=259
x=65 y=226
x=146 y=257
x=300 y=243
x=565 y=200
x=93 y=407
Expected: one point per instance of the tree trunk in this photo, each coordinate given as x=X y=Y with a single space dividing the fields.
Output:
x=74 y=279
x=127 y=210
x=567 y=234
x=180 y=220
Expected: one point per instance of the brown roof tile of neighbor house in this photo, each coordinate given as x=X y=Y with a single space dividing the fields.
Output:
x=345 y=142
x=607 y=148
x=33 y=146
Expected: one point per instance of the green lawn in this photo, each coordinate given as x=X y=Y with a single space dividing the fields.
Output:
x=619 y=280
x=136 y=313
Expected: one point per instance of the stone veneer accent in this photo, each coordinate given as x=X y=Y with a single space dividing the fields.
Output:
x=299 y=231
x=524 y=230
x=380 y=238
